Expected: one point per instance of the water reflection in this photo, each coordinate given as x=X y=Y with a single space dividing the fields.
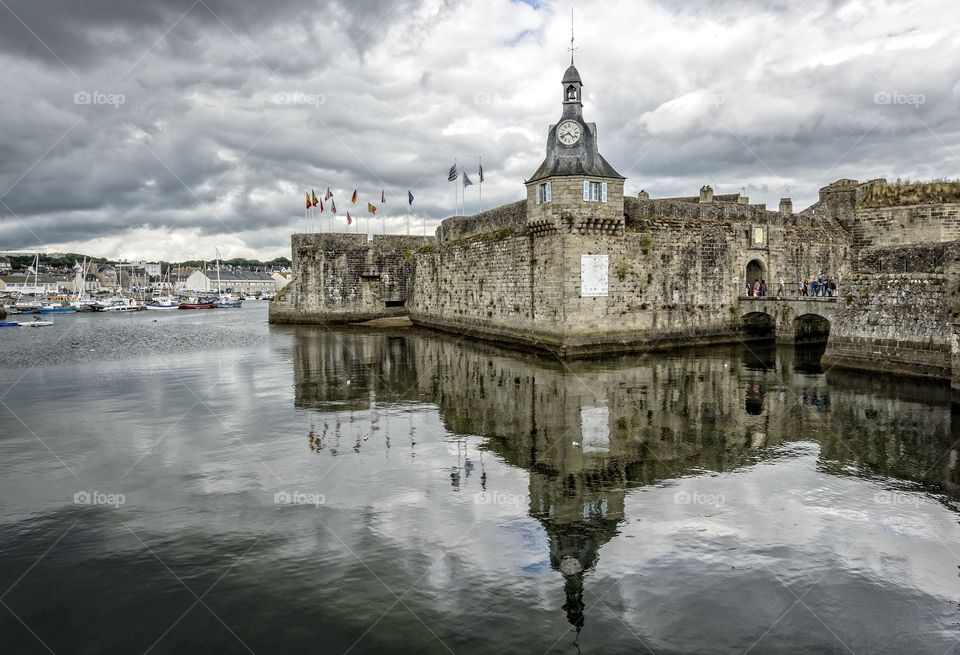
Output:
x=587 y=433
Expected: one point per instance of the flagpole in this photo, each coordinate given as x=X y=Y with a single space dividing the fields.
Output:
x=480 y=159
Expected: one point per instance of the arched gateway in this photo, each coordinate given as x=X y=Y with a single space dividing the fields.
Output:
x=756 y=271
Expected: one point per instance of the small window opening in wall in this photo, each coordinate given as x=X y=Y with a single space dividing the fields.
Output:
x=395 y=303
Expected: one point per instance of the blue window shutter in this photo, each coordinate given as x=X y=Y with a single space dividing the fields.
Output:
x=604 y=192
x=586 y=190
x=549 y=191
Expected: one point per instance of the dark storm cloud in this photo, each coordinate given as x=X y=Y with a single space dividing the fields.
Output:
x=231 y=108
x=80 y=34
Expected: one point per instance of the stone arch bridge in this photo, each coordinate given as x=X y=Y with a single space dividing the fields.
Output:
x=791 y=320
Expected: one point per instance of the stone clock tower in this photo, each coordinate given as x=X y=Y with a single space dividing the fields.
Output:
x=575 y=190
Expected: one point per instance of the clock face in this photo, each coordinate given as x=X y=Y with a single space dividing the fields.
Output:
x=568 y=132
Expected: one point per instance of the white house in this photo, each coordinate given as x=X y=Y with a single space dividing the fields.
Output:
x=245 y=282
x=30 y=284
x=151 y=268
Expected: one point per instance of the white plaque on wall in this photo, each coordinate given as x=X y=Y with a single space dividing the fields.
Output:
x=594 y=275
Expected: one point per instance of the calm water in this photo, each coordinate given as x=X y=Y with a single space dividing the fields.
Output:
x=202 y=482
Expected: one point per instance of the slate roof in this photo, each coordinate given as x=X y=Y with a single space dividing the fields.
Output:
x=239 y=276
x=572 y=75
x=584 y=160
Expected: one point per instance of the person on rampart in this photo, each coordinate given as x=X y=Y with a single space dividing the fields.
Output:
x=780 y=288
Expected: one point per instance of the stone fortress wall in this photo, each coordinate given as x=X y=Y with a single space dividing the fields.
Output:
x=344 y=278
x=898 y=305
x=677 y=271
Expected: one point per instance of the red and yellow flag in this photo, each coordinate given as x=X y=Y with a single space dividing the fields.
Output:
x=354 y=198
x=371 y=208
x=314 y=198
x=308 y=201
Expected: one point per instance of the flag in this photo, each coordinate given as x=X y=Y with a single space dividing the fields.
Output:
x=354 y=198
x=329 y=195
x=308 y=201
x=383 y=198
x=315 y=199
x=371 y=208
x=321 y=205
x=481 y=172
x=452 y=175
x=333 y=206
x=410 y=197
x=349 y=220
x=466 y=180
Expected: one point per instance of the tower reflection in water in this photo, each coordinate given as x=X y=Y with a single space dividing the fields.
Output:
x=589 y=432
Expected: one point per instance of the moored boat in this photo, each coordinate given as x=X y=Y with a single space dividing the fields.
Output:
x=57 y=308
x=163 y=302
x=9 y=324
x=118 y=305
x=228 y=301
x=35 y=323
x=197 y=303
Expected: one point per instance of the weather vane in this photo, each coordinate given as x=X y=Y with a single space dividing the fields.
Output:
x=571 y=48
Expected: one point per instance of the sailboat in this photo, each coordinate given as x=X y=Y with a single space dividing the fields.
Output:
x=225 y=300
x=29 y=306
x=163 y=301
x=118 y=303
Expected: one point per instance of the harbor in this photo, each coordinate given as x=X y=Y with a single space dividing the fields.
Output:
x=111 y=290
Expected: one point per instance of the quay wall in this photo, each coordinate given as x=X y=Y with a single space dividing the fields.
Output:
x=675 y=276
x=345 y=278
x=895 y=313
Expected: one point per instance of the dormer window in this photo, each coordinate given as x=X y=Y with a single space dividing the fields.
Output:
x=571 y=92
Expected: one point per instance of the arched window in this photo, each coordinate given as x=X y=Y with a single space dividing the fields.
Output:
x=571 y=92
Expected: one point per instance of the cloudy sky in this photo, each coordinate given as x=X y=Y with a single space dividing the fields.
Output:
x=162 y=129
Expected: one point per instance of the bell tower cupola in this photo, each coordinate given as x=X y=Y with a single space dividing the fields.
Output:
x=572 y=92
x=575 y=189
x=572 y=84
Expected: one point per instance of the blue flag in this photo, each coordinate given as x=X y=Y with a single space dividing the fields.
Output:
x=410 y=197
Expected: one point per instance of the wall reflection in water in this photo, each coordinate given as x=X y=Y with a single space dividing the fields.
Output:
x=589 y=432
